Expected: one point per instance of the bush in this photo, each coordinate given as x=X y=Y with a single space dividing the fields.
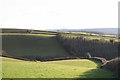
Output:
x=112 y=65
x=111 y=41
x=88 y=55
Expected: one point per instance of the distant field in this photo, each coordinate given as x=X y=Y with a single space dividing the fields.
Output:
x=32 y=45
x=12 y=30
x=92 y=36
x=79 y=68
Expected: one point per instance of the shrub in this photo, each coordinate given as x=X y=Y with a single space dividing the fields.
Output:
x=111 y=41
x=112 y=65
x=88 y=55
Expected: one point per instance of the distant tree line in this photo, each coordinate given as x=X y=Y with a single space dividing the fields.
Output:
x=79 y=46
x=17 y=31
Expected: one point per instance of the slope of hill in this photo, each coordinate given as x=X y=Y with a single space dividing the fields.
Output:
x=37 y=44
x=79 y=68
x=34 y=46
x=40 y=44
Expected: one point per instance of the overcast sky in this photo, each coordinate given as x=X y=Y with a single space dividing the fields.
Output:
x=53 y=14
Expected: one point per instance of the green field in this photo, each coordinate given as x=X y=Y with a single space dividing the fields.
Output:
x=79 y=68
x=42 y=44
x=32 y=45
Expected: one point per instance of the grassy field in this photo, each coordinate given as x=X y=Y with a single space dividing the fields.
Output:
x=32 y=45
x=39 y=44
x=79 y=68
x=43 y=44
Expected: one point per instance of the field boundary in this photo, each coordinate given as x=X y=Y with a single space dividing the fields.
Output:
x=102 y=60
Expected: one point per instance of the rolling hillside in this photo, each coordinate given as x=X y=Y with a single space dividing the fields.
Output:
x=79 y=68
x=40 y=44
x=32 y=45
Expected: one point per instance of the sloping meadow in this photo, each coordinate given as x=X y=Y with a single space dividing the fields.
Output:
x=79 y=68
x=31 y=46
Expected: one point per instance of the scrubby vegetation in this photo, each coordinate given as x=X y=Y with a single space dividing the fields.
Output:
x=113 y=65
x=78 y=45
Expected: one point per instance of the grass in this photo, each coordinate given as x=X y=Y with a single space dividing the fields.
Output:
x=79 y=68
x=32 y=45
x=44 y=44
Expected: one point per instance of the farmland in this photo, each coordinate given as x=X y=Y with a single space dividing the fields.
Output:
x=40 y=44
x=83 y=68
x=32 y=45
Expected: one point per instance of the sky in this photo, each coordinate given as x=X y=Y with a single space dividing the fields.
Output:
x=58 y=14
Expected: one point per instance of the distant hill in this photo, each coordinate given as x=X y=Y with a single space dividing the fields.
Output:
x=97 y=30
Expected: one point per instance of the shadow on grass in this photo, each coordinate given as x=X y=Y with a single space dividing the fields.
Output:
x=94 y=74
x=97 y=73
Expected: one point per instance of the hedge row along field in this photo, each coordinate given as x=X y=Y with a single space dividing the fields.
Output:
x=113 y=65
x=31 y=31
x=79 y=45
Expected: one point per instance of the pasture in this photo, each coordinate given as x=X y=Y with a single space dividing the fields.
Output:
x=40 y=44
x=32 y=45
x=78 y=68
